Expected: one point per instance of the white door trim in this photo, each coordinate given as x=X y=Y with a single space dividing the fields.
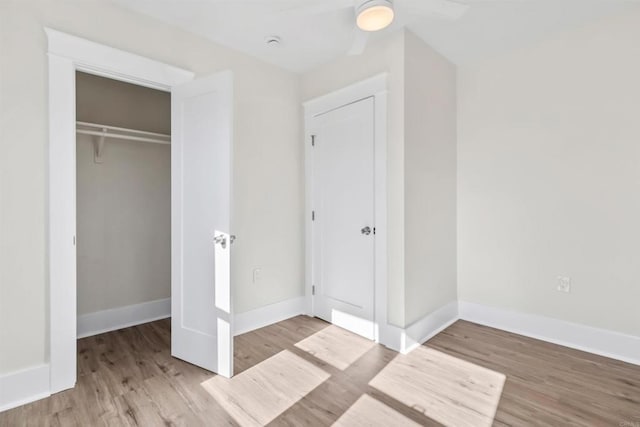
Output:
x=67 y=54
x=375 y=87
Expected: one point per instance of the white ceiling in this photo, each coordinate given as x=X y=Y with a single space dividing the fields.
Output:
x=488 y=28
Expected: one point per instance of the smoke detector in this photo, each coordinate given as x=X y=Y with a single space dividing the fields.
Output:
x=272 y=41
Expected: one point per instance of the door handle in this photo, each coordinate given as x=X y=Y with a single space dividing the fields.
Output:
x=366 y=231
x=221 y=240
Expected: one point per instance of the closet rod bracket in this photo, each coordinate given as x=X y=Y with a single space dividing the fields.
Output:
x=98 y=145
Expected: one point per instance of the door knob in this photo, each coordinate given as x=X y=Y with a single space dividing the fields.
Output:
x=366 y=231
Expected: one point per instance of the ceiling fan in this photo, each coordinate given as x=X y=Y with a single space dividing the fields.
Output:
x=375 y=15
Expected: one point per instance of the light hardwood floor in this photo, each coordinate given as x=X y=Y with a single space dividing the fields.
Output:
x=304 y=371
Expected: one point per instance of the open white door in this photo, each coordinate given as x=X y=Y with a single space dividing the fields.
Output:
x=201 y=137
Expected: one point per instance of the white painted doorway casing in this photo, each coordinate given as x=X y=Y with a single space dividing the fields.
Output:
x=68 y=54
x=343 y=235
x=374 y=90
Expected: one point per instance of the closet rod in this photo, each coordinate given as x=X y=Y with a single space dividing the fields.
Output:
x=122 y=136
x=122 y=133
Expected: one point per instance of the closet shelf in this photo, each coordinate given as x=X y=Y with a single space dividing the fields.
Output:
x=104 y=131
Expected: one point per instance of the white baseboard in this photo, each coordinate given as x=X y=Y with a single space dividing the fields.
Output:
x=267 y=315
x=25 y=386
x=426 y=328
x=404 y=340
x=392 y=336
x=606 y=343
x=123 y=317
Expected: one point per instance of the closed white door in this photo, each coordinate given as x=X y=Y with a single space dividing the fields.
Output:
x=343 y=228
x=201 y=131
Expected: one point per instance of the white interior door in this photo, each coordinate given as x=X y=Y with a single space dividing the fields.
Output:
x=343 y=226
x=201 y=132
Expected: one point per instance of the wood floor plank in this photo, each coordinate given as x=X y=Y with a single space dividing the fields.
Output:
x=305 y=372
x=546 y=382
x=368 y=411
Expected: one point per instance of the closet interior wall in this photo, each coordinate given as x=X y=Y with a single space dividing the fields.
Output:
x=124 y=202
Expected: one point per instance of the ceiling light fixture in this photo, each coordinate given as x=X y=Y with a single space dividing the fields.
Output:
x=374 y=15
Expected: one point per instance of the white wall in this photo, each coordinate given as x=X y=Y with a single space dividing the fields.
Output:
x=123 y=224
x=268 y=176
x=116 y=103
x=429 y=180
x=386 y=55
x=124 y=203
x=549 y=177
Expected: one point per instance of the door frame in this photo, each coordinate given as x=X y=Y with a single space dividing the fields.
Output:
x=374 y=87
x=68 y=54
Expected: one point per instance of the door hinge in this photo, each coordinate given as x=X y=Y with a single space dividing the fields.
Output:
x=374 y=230
x=313 y=215
x=313 y=290
x=313 y=140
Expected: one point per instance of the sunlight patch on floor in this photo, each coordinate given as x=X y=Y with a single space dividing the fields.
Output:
x=444 y=388
x=261 y=393
x=368 y=411
x=336 y=346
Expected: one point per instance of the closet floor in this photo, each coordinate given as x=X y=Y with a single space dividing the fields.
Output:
x=303 y=371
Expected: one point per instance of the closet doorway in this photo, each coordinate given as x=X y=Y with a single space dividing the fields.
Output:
x=117 y=207
x=123 y=215
x=123 y=204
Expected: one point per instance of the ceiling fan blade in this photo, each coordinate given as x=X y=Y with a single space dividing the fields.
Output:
x=359 y=42
x=443 y=9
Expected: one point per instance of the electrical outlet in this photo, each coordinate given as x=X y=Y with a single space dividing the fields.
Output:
x=564 y=284
x=257 y=275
